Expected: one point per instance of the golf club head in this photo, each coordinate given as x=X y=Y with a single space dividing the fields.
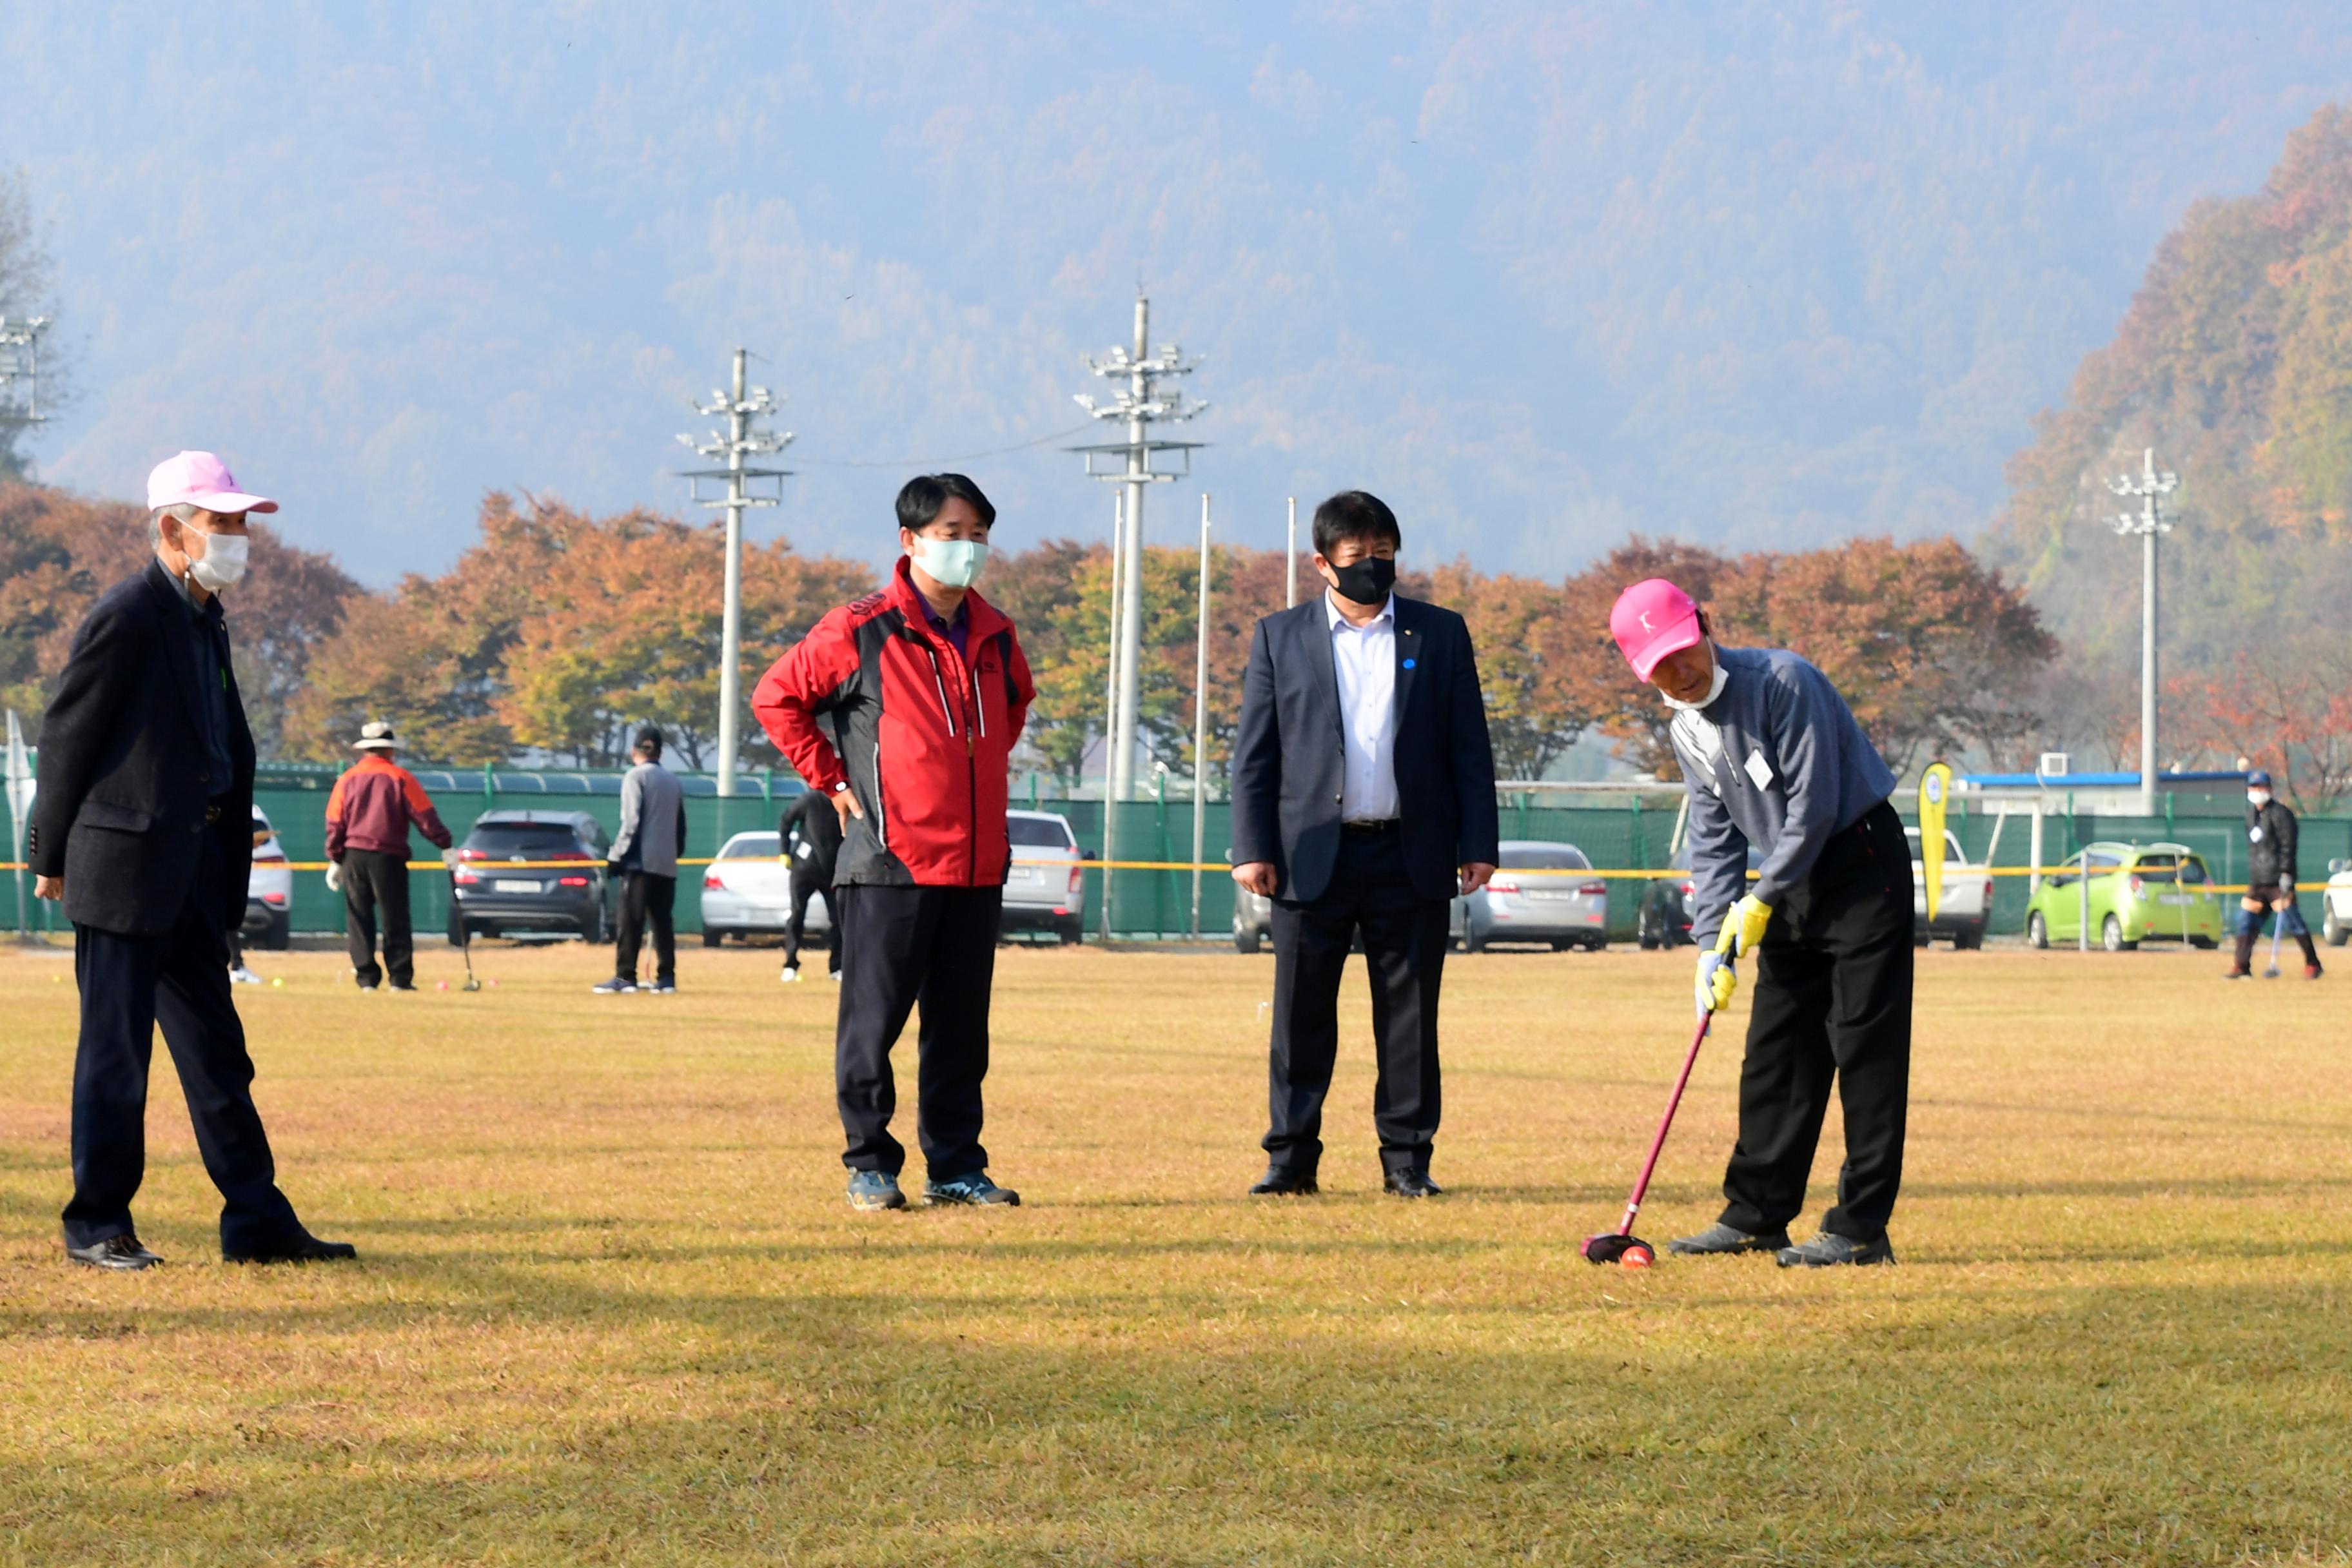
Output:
x=472 y=984
x=1616 y=1247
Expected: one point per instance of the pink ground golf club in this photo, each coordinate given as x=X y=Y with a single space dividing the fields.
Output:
x=1620 y=1245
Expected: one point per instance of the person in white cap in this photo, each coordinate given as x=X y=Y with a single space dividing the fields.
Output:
x=369 y=814
x=144 y=829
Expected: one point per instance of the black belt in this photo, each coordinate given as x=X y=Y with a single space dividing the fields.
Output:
x=1386 y=824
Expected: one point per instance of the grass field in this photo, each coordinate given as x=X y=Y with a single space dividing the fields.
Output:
x=612 y=1309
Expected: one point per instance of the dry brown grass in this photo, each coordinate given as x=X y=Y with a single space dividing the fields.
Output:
x=612 y=1309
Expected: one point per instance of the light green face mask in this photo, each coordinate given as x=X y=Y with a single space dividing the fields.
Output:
x=954 y=563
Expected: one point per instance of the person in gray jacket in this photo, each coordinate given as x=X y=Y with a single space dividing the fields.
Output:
x=1771 y=756
x=644 y=860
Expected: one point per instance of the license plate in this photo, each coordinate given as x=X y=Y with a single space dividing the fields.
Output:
x=2175 y=897
x=514 y=885
x=1549 y=893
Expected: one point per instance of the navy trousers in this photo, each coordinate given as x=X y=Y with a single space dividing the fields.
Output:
x=900 y=946
x=178 y=978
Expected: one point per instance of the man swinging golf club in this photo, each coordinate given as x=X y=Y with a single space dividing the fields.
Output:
x=1771 y=756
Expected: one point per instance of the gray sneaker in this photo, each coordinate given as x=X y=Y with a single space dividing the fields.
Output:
x=975 y=1188
x=1827 y=1251
x=1720 y=1237
x=873 y=1190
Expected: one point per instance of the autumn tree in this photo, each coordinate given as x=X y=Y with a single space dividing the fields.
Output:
x=2286 y=708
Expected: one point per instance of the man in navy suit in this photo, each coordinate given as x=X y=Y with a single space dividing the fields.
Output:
x=1363 y=801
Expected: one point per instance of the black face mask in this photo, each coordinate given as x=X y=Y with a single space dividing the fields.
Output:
x=1367 y=581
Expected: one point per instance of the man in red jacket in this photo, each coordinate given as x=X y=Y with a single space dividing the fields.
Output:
x=369 y=814
x=903 y=708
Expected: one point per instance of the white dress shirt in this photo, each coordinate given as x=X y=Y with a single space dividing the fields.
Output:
x=1365 y=659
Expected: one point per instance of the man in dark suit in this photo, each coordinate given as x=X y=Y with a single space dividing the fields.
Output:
x=143 y=828
x=1363 y=801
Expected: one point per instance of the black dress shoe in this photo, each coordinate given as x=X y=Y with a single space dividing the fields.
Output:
x=1283 y=1182
x=120 y=1252
x=304 y=1248
x=1413 y=1185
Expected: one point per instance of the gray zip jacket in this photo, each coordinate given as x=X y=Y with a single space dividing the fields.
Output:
x=653 y=821
x=1777 y=762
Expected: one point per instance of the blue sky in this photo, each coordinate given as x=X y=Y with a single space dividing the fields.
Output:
x=1541 y=274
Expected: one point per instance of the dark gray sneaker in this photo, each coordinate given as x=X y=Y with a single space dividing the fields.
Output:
x=118 y=1252
x=1827 y=1251
x=975 y=1188
x=1720 y=1237
x=872 y=1189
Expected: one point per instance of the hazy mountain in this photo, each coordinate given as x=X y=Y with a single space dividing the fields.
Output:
x=1752 y=273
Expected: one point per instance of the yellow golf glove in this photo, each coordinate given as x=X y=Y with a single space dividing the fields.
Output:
x=1716 y=983
x=1743 y=926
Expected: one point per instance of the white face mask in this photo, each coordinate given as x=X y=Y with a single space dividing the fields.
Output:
x=222 y=566
x=2258 y=798
x=1714 y=686
x=953 y=563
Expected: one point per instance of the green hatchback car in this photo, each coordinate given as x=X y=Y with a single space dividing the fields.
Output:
x=2136 y=893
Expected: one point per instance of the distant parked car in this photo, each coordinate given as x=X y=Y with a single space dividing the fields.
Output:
x=268 y=890
x=749 y=888
x=1252 y=917
x=1960 y=910
x=560 y=893
x=1045 y=888
x=2137 y=892
x=1668 y=904
x=1542 y=892
x=2336 y=904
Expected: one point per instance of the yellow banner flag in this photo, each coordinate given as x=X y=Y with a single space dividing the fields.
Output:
x=1935 y=792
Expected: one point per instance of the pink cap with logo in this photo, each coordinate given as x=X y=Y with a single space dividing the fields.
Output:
x=1652 y=619
x=199 y=479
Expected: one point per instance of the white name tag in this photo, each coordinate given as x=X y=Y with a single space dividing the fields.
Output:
x=1759 y=772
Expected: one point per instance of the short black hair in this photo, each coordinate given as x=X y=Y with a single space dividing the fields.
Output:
x=920 y=498
x=649 y=741
x=1355 y=514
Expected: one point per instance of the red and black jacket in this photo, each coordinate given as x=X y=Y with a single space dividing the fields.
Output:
x=923 y=735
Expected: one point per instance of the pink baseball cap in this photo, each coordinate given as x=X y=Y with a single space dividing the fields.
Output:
x=1652 y=619
x=199 y=479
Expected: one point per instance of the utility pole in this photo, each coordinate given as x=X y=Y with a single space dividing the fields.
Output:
x=744 y=408
x=1138 y=403
x=1200 y=724
x=2149 y=524
x=20 y=360
x=1290 y=559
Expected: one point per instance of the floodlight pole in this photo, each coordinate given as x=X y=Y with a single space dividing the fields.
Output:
x=20 y=360
x=745 y=407
x=2149 y=524
x=1130 y=610
x=1200 y=724
x=1290 y=559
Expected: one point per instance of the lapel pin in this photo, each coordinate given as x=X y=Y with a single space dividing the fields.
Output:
x=1408 y=664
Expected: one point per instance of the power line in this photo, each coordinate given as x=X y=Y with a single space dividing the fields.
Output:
x=933 y=463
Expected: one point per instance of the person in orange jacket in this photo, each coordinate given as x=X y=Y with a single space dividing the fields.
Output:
x=369 y=814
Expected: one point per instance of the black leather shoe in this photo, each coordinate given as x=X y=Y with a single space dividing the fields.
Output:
x=1283 y=1182
x=118 y=1252
x=305 y=1249
x=1413 y=1185
x=1719 y=1238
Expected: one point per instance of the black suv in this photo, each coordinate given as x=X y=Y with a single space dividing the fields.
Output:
x=567 y=898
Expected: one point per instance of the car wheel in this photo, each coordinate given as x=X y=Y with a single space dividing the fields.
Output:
x=2111 y=936
x=1645 y=932
x=1245 y=939
x=1968 y=941
x=712 y=936
x=2037 y=930
x=2205 y=943
x=2336 y=932
x=1073 y=934
x=456 y=929
x=279 y=932
x=1472 y=942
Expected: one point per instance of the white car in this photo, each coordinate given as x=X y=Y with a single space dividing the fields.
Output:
x=2336 y=904
x=1967 y=896
x=268 y=890
x=1542 y=893
x=749 y=888
x=1045 y=888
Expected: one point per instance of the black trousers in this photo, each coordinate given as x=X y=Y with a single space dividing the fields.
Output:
x=179 y=979
x=901 y=946
x=645 y=896
x=1833 y=1000
x=373 y=880
x=1404 y=950
x=807 y=885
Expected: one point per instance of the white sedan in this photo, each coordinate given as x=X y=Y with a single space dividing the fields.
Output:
x=2336 y=904
x=749 y=888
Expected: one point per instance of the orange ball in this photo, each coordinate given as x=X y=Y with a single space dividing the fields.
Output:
x=1636 y=1258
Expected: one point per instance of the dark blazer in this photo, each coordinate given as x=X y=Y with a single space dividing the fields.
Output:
x=1289 y=761
x=124 y=780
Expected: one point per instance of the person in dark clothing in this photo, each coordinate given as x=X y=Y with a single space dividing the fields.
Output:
x=1771 y=756
x=2270 y=831
x=809 y=833
x=1363 y=804
x=929 y=676
x=369 y=812
x=644 y=861
x=143 y=829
